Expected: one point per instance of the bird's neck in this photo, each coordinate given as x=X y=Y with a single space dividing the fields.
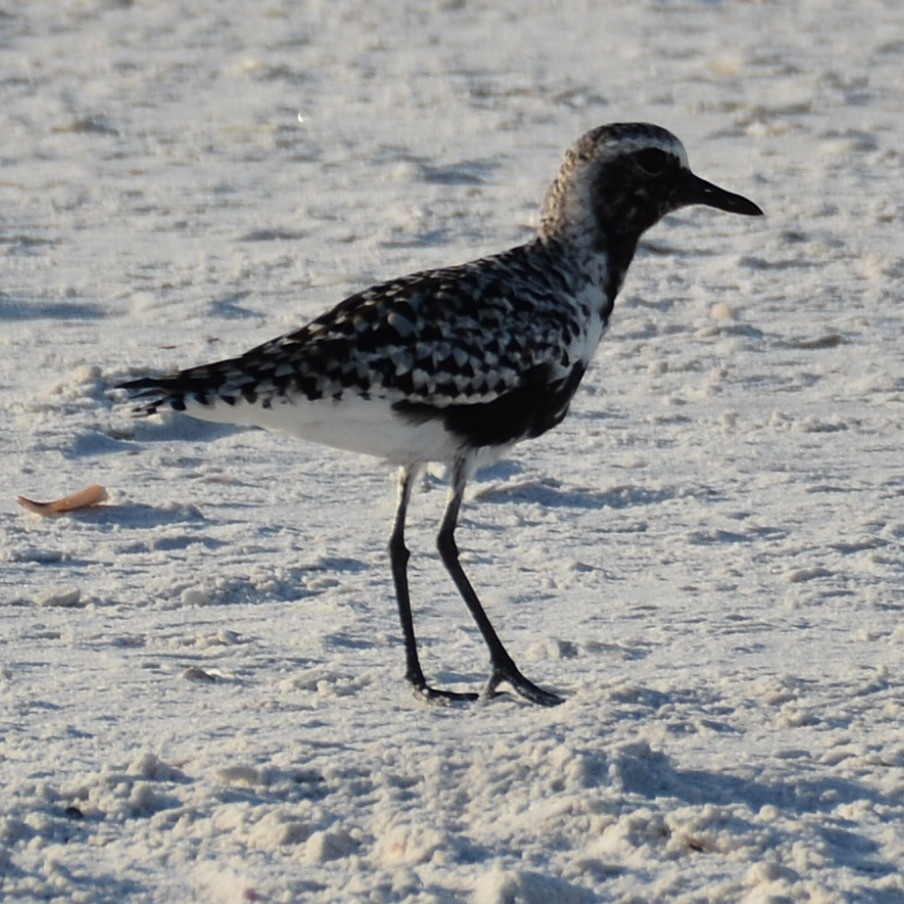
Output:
x=598 y=258
x=618 y=251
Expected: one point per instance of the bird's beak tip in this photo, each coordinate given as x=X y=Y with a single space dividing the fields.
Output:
x=699 y=191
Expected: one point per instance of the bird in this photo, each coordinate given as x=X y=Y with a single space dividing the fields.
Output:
x=456 y=365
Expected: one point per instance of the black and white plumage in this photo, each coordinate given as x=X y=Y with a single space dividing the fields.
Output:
x=456 y=365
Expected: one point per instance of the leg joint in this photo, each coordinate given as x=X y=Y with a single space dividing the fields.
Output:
x=398 y=551
x=445 y=543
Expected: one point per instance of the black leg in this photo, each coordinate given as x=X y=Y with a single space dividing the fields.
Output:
x=504 y=668
x=398 y=557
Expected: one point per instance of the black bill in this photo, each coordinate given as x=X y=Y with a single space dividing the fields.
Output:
x=694 y=190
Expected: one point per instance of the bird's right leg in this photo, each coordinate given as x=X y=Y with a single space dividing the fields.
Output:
x=504 y=668
x=398 y=557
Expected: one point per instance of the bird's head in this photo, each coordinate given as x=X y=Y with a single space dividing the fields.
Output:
x=619 y=179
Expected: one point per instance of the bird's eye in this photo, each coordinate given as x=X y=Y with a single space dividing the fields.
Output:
x=653 y=161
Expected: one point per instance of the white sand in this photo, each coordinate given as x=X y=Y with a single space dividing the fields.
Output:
x=200 y=682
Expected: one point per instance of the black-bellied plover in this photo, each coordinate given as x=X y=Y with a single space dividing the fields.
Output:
x=458 y=364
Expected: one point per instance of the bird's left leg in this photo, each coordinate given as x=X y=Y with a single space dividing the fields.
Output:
x=398 y=556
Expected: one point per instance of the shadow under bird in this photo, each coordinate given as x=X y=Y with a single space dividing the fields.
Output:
x=456 y=365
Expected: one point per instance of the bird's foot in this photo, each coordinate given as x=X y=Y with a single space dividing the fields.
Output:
x=439 y=695
x=521 y=686
x=510 y=674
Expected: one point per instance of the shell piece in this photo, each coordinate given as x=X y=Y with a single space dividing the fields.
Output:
x=93 y=495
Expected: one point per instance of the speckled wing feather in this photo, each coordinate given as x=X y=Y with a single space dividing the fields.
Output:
x=492 y=337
